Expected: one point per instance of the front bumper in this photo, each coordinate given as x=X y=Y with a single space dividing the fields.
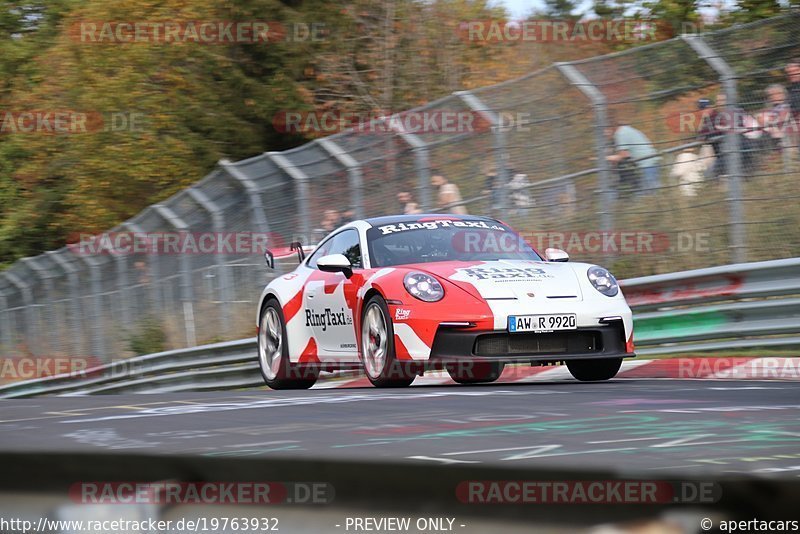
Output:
x=458 y=345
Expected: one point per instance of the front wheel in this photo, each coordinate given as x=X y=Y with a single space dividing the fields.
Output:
x=594 y=370
x=475 y=372
x=273 y=353
x=377 y=348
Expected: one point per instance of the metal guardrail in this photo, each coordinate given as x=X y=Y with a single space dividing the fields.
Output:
x=135 y=374
x=748 y=305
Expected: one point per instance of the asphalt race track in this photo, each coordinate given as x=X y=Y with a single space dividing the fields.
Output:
x=673 y=426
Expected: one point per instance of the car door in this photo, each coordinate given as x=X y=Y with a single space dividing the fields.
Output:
x=331 y=297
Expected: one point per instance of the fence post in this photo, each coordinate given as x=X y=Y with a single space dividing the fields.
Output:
x=253 y=194
x=218 y=222
x=499 y=147
x=354 y=175
x=98 y=333
x=31 y=337
x=154 y=270
x=600 y=107
x=731 y=146
x=45 y=278
x=421 y=163
x=5 y=338
x=187 y=301
x=76 y=311
x=303 y=193
x=122 y=284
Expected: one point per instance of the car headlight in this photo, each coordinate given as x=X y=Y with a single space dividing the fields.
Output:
x=603 y=281
x=423 y=286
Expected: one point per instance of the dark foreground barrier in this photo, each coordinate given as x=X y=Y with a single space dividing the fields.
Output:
x=326 y=496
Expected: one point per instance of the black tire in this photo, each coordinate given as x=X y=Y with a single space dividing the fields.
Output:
x=279 y=373
x=383 y=371
x=594 y=370
x=475 y=372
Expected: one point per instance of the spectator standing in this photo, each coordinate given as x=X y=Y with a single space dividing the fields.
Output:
x=449 y=194
x=721 y=120
x=688 y=172
x=776 y=115
x=491 y=185
x=632 y=145
x=793 y=75
x=409 y=206
x=776 y=121
x=330 y=220
x=520 y=194
x=142 y=272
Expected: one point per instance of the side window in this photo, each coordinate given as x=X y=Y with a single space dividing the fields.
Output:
x=321 y=251
x=346 y=243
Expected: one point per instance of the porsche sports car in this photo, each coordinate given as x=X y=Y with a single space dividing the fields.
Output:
x=400 y=295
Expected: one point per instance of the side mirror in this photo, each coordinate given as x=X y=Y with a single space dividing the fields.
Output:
x=555 y=254
x=335 y=263
x=270 y=259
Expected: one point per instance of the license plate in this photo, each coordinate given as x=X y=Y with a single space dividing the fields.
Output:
x=542 y=323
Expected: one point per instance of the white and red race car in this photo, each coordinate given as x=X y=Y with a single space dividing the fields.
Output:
x=400 y=295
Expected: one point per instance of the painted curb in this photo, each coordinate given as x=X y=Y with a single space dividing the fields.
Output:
x=675 y=368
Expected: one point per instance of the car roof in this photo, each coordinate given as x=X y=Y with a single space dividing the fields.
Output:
x=421 y=217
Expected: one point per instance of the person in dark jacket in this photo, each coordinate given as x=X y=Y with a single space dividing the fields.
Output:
x=793 y=90
x=793 y=74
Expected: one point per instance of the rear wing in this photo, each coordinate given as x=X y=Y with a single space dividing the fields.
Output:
x=295 y=249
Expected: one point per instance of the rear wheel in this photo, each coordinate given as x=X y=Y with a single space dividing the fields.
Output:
x=475 y=372
x=273 y=353
x=377 y=348
x=593 y=370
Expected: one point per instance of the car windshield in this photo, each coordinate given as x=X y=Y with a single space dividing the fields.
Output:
x=434 y=240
